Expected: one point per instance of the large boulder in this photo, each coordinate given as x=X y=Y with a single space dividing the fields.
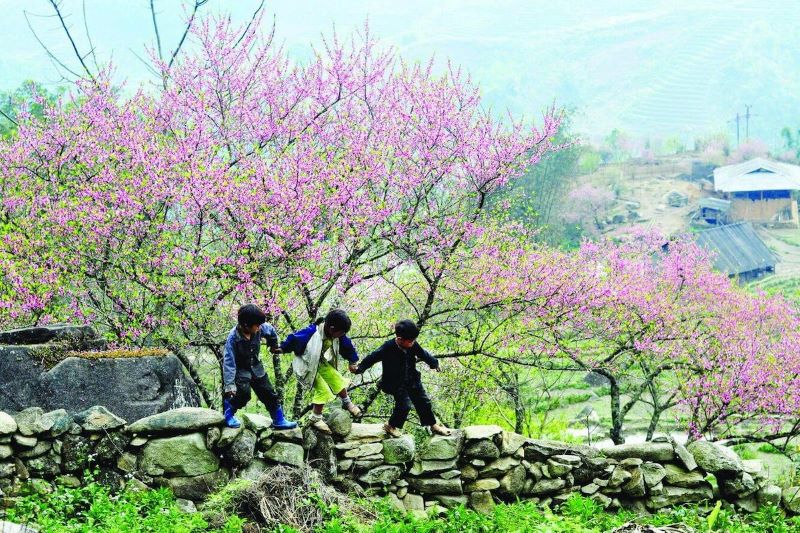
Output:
x=178 y=420
x=184 y=455
x=130 y=387
x=716 y=459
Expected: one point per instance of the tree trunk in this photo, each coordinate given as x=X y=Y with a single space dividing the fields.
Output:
x=616 y=413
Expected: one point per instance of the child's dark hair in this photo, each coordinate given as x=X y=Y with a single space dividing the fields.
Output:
x=338 y=320
x=251 y=315
x=406 y=329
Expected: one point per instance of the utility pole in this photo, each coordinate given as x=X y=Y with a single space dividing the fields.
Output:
x=747 y=122
x=737 y=128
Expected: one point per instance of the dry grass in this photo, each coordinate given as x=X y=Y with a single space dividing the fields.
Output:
x=295 y=497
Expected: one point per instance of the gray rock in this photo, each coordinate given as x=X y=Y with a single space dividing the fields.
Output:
x=451 y=501
x=511 y=443
x=652 y=473
x=227 y=436
x=289 y=435
x=382 y=475
x=482 y=449
x=7 y=470
x=48 y=465
x=10 y=527
x=186 y=506
x=675 y=475
x=748 y=504
x=716 y=459
x=197 y=487
x=362 y=465
x=431 y=467
x=399 y=450
x=8 y=425
x=41 y=447
x=435 y=485
x=29 y=421
x=97 y=418
x=499 y=467
x=482 y=432
x=25 y=442
x=631 y=462
x=75 y=335
x=769 y=495
x=365 y=450
x=740 y=486
x=138 y=442
x=547 y=486
x=541 y=449
x=754 y=467
x=440 y=448
x=286 y=452
x=5 y=451
x=482 y=484
x=68 y=481
x=58 y=422
x=372 y=432
x=683 y=455
x=513 y=482
x=469 y=473
x=646 y=451
x=256 y=422
x=254 y=470
x=414 y=502
x=589 y=489
x=184 y=419
x=679 y=495
x=184 y=455
x=126 y=462
x=619 y=477
x=450 y=474
x=482 y=502
x=321 y=455
x=790 y=497
x=212 y=438
x=130 y=387
x=602 y=499
x=556 y=469
x=340 y=421
x=635 y=487
x=242 y=450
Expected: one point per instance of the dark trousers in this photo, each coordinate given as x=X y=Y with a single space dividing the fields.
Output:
x=403 y=400
x=261 y=386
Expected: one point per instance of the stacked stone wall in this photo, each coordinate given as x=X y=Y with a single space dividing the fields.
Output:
x=190 y=451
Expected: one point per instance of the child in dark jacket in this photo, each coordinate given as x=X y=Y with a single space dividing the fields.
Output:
x=401 y=379
x=242 y=369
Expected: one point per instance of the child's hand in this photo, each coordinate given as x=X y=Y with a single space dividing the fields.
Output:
x=275 y=349
x=353 y=368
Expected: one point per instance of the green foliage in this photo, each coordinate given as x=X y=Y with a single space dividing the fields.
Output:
x=744 y=451
x=94 y=508
x=31 y=97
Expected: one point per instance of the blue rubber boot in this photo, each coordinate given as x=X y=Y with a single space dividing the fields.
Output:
x=228 y=412
x=280 y=422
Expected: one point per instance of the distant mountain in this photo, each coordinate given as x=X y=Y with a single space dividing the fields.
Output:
x=677 y=68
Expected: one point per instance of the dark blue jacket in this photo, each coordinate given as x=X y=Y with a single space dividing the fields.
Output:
x=399 y=366
x=296 y=342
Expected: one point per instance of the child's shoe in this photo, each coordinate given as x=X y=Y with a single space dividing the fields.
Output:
x=279 y=421
x=392 y=431
x=353 y=410
x=439 y=429
x=228 y=411
x=318 y=423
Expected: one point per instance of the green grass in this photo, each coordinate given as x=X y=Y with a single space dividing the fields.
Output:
x=95 y=509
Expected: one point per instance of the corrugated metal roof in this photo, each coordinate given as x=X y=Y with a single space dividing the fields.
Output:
x=758 y=174
x=715 y=203
x=737 y=247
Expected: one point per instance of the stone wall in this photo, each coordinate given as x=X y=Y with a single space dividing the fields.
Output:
x=189 y=450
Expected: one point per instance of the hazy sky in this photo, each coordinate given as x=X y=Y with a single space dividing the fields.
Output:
x=652 y=68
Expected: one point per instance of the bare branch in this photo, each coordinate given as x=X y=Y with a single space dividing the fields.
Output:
x=155 y=28
x=63 y=22
x=197 y=5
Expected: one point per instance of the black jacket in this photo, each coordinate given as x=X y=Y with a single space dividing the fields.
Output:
x=399 y=368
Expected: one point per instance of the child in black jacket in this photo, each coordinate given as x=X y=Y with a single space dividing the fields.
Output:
x=401 y=379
